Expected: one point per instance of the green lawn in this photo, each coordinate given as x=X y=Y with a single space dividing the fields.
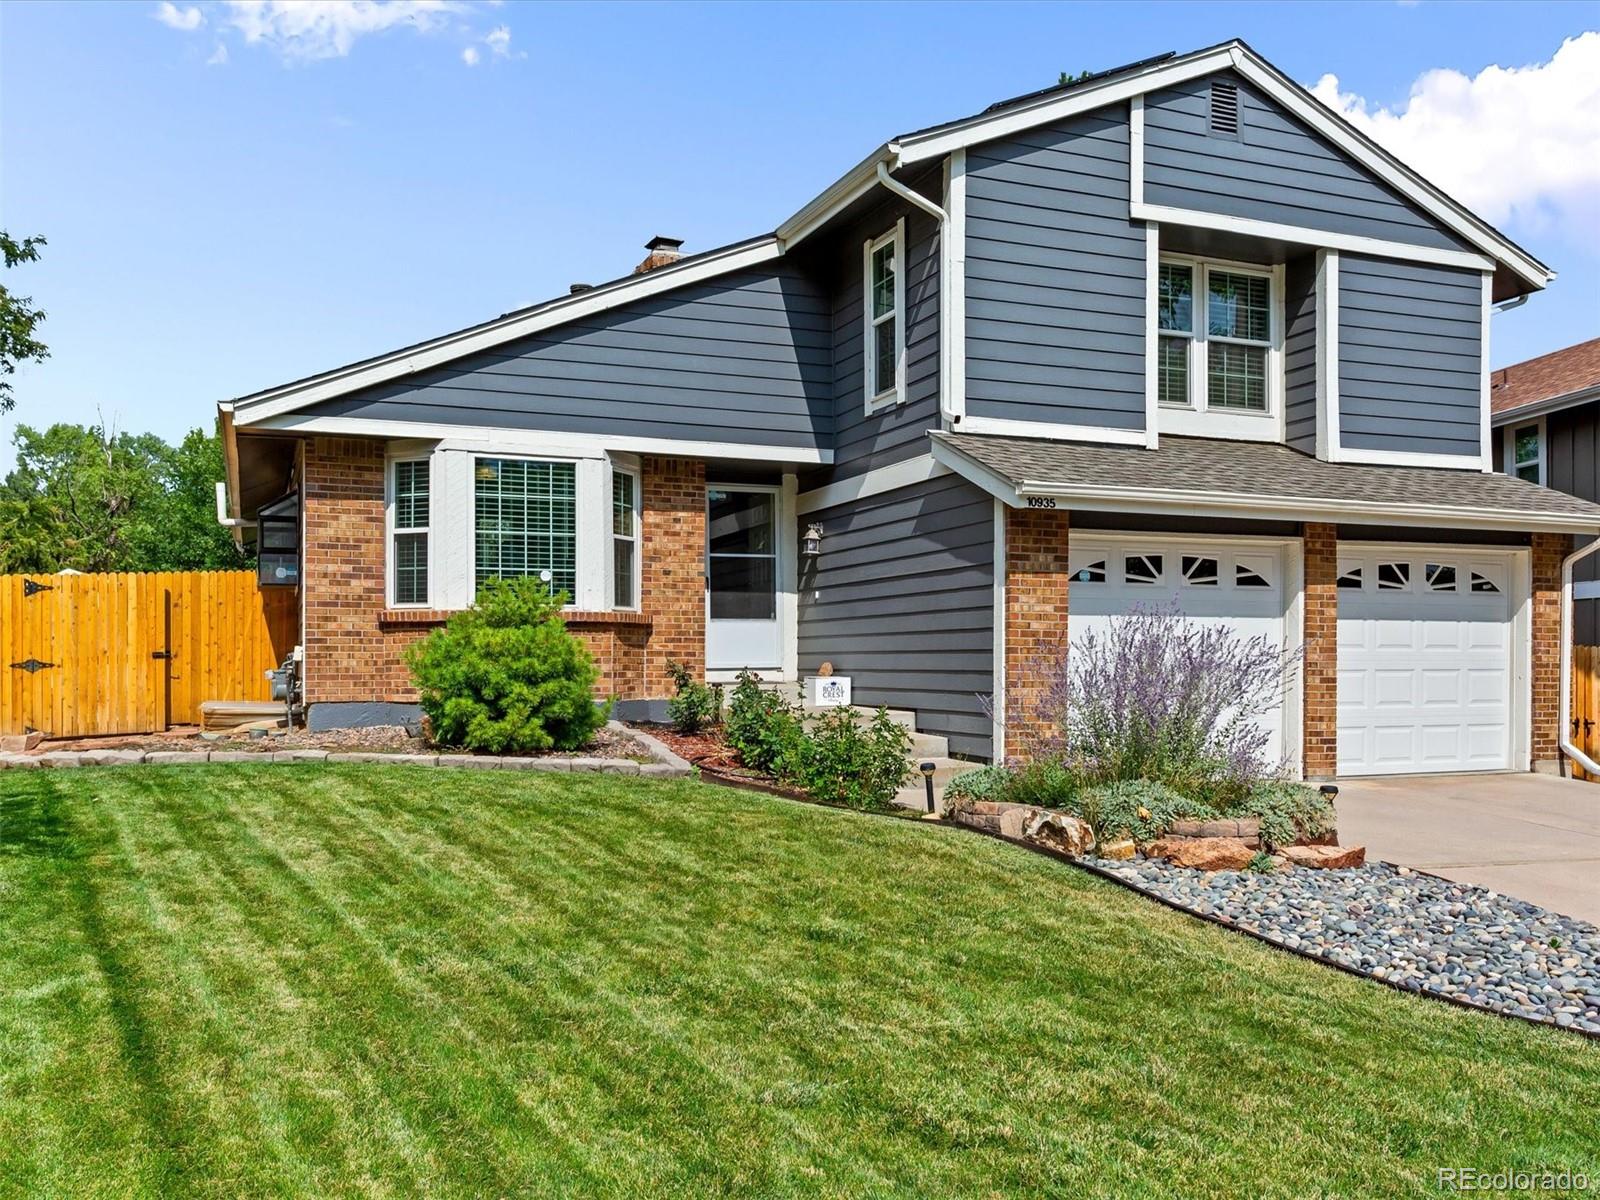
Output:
x=389 y=981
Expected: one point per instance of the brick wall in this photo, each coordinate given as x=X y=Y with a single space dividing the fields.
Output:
x=1548 y=551
x=673 y=595
x=1036 y=619
x=355 y=647
x=1320 y=668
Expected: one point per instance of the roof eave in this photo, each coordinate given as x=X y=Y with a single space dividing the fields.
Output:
x=1543 y=408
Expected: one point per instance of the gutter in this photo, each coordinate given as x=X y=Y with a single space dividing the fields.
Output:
x=1567 y=746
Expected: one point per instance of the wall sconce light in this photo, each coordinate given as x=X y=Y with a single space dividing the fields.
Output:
x=811 y=545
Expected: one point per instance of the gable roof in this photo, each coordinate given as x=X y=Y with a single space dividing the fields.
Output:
x=1550 y=382
x=909 y=149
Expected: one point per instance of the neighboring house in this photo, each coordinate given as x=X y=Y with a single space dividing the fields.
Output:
x=1547 y=412
x=1171 y=334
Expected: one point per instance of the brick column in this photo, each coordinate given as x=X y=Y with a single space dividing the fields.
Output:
x=1548 y=551
x=673 y=491
x=1036 y=620
x=1320 y=743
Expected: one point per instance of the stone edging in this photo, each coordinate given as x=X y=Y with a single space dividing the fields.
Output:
x=667 y=765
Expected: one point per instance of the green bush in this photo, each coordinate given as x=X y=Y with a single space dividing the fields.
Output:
x=694 y=705
x=505 y=675
x=1140 y=809
x=984 y=783
x=766 y=730
x=847 y=763
x=1288 y=812
x=1045 y=784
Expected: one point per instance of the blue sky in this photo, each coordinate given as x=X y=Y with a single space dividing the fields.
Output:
x=217 y=226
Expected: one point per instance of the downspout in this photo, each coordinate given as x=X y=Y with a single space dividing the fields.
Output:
x=928 y=206
x=223 y=518
x=1567 y=746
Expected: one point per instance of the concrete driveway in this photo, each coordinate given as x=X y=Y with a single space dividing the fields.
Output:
x=1535 y=837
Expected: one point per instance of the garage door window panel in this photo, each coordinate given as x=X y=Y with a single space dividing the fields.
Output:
x=1142 y=568
x=1200 y=571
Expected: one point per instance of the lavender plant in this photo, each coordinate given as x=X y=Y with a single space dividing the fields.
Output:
x=1156 y=695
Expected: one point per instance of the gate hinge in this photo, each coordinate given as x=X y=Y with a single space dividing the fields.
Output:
x=31 y=587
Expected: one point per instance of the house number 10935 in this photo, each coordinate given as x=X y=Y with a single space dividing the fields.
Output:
x=1041 y=501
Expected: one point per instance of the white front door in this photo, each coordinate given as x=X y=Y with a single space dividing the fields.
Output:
x=742 y=628
x=1425 y=661
x=1240 y=584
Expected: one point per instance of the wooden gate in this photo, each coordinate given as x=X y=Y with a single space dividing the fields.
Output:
x=82 y=655
x=1585 y=728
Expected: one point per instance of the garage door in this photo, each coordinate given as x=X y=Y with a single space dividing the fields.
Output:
x=1240 y=584
x=1425 y=662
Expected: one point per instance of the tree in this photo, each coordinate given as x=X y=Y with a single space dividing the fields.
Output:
x=1068 y=77
x=83 y=498
x=18 y=317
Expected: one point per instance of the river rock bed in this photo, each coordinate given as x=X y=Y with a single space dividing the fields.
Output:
x=1420 y=932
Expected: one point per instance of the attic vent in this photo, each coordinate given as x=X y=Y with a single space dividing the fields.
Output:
x=1225 y=109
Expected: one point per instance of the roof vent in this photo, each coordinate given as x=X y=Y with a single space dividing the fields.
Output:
x=575 y=288
x=663 y=252
x=1225 y=109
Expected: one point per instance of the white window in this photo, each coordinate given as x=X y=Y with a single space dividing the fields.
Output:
x=525 y=516
x=1218 y=327
x=884 y=344
x=409 y=522
x=624 y=540
x=1527 y=453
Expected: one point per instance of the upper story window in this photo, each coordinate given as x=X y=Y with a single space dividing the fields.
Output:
x=1526 y=453
x=526 y=521
x=410 y=522
x=624 y=540
x=883 y=351
x=1217 y=353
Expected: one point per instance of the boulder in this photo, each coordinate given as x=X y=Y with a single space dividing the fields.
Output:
x=1059 y=832
x=1204 y=854
x=20 y=743
x=1120 y=850
x=1325 y=857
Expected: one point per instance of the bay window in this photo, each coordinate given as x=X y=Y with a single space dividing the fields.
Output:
x=526 y=521
x=409 y=526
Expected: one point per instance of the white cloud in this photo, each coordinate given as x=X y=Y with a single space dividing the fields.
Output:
x=1516 y=144
x=499 y=41
x=219 y=56
x=470 y=56
x=186 y=19
x=312 y=29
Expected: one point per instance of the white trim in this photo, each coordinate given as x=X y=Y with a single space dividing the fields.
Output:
x=1136 y=149
x=1486 y=450
x=1294 y=622
x=1152 y=331
x=1054 y=432
x=1524 y=413
x=954 y=316
x=878 y=398
x=251 y=410
x=396 y=454
x=834 y=199
x=1328 y=447
x=998 y=669
x=1110 y=498
x=789 y=576
x=1410 y=458
x=1306 y=236
x=870 y=483
x=580 y=445
x=1508 y=435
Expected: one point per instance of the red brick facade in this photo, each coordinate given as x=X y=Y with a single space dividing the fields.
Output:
x=1320 y=667
x=355 y=646
x=1036 y=619
x=1545 y=673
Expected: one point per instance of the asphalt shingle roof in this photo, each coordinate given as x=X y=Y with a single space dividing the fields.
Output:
x=1262 y=470
x=1560 y=373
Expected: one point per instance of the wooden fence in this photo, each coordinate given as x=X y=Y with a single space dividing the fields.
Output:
x=82 y=655
x=1585 y=727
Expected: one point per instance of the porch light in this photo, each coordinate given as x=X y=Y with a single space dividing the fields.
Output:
x=811 y=544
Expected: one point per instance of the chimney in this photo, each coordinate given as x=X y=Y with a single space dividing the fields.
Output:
x=663 y=252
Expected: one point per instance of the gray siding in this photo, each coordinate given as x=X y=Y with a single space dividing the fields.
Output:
x=745 y=358
x=1572 y=465
x=1410 y=341
x=863 y=442
x=1277 y=169
x=902 y=601
x=1055 y=277
x=1300 y=352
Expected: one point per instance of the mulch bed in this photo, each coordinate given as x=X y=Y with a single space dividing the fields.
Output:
x=376 y=739
x=705 y=750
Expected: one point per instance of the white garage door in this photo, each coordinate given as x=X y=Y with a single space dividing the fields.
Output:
x=1425 y=661
x=1240 y=584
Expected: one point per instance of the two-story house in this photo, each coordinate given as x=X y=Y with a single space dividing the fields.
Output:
x=1174 y=334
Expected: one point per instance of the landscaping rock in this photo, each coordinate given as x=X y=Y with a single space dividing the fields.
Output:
x=235 y=756
x=589 y=764
x=1060 y=832
x=1246 y=829
x=1204 y=854
x=470 y=762
x=1325 y=857
x=1118 y=851
x=661 y=770
x=18 y=762
x=183 y=758
x=299 y=756
x=20 y=743
x=110 y=758
x=61 y=758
